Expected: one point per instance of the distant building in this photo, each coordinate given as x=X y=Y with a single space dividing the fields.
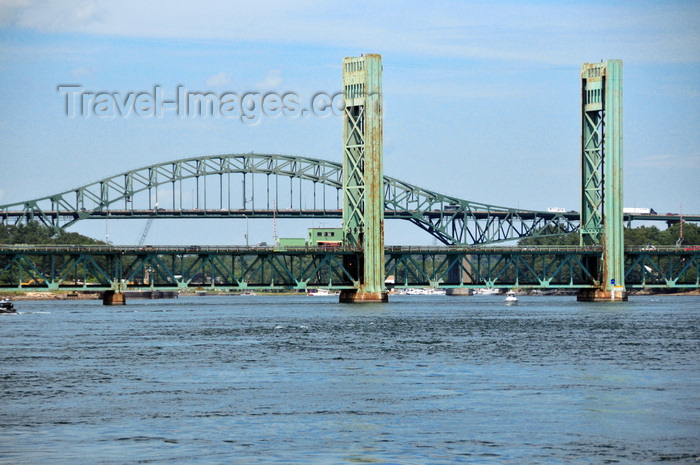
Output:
x=325 y=237
x=316 y=237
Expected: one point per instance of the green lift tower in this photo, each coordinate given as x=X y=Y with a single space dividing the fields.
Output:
x=363 y=178
x=601 y=178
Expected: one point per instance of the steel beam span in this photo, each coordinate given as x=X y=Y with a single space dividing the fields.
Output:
x=15 y=216
x=97 y=268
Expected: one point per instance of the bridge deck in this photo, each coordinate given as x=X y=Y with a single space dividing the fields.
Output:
x=34 y=267
x=7 y=215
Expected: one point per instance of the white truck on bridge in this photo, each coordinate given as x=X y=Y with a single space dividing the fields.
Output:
x=638 y=211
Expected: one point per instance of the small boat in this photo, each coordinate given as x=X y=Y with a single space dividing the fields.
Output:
x=6 y=306
x=511 y=298
x=487 y=291
x=321 y=292
x=424 y=291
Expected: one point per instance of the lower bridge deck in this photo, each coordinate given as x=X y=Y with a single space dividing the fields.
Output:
x=120 y=268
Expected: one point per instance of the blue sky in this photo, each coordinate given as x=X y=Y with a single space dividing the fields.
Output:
x=481 y=98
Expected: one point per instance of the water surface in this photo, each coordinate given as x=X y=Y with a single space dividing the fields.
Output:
x=298 y=379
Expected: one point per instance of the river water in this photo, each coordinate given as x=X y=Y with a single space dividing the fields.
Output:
x=299 y=379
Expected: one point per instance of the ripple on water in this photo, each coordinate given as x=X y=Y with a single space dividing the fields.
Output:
x=293 y=380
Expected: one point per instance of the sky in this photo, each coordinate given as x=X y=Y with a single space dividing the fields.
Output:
x=481 y=99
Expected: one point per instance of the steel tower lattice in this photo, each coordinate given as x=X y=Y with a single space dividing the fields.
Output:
x=363 y=178
x=601 y=177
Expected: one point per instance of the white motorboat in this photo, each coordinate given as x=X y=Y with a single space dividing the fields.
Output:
x=6 y=306
x=511 y=298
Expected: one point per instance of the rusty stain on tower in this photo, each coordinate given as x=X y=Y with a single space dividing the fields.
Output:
x=601 y=178
x=363 y=178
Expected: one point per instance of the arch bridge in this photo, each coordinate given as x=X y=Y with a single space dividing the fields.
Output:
x=277 y=186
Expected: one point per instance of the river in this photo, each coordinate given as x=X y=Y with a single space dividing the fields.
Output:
x=299 y=379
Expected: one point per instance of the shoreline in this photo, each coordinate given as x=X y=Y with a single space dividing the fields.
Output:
x=67 y=295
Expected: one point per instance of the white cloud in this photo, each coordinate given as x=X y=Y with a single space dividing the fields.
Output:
x=549 y=32
x=83 y=71
x=57 y=15
x=219 y=80
x=272 y=81
x=11 y=9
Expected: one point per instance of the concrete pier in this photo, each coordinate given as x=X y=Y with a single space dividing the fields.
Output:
x=600 y=295
x=113 y=298
x=459 y=291
x=349 y=296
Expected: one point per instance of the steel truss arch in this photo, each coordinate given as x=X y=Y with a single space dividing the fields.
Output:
x=449 y=219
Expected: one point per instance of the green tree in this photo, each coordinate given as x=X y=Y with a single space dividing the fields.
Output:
x=38 y=234
x=640 y=237
x=691 y=234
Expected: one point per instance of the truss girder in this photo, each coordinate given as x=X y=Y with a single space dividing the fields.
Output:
x=104 y=268
x=490 y=268
x=450 y=219
x=652 y=268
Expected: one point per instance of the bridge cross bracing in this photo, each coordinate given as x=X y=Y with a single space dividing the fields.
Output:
x=238 y=269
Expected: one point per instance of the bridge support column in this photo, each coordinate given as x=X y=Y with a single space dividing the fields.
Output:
x=460 y=273
x=113 y=298
x=363 y=176
x=601 y=178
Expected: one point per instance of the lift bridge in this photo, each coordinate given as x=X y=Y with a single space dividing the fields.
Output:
x=356 y=191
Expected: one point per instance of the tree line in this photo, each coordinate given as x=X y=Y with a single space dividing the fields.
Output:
x=36 y=233
x=634 y=237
